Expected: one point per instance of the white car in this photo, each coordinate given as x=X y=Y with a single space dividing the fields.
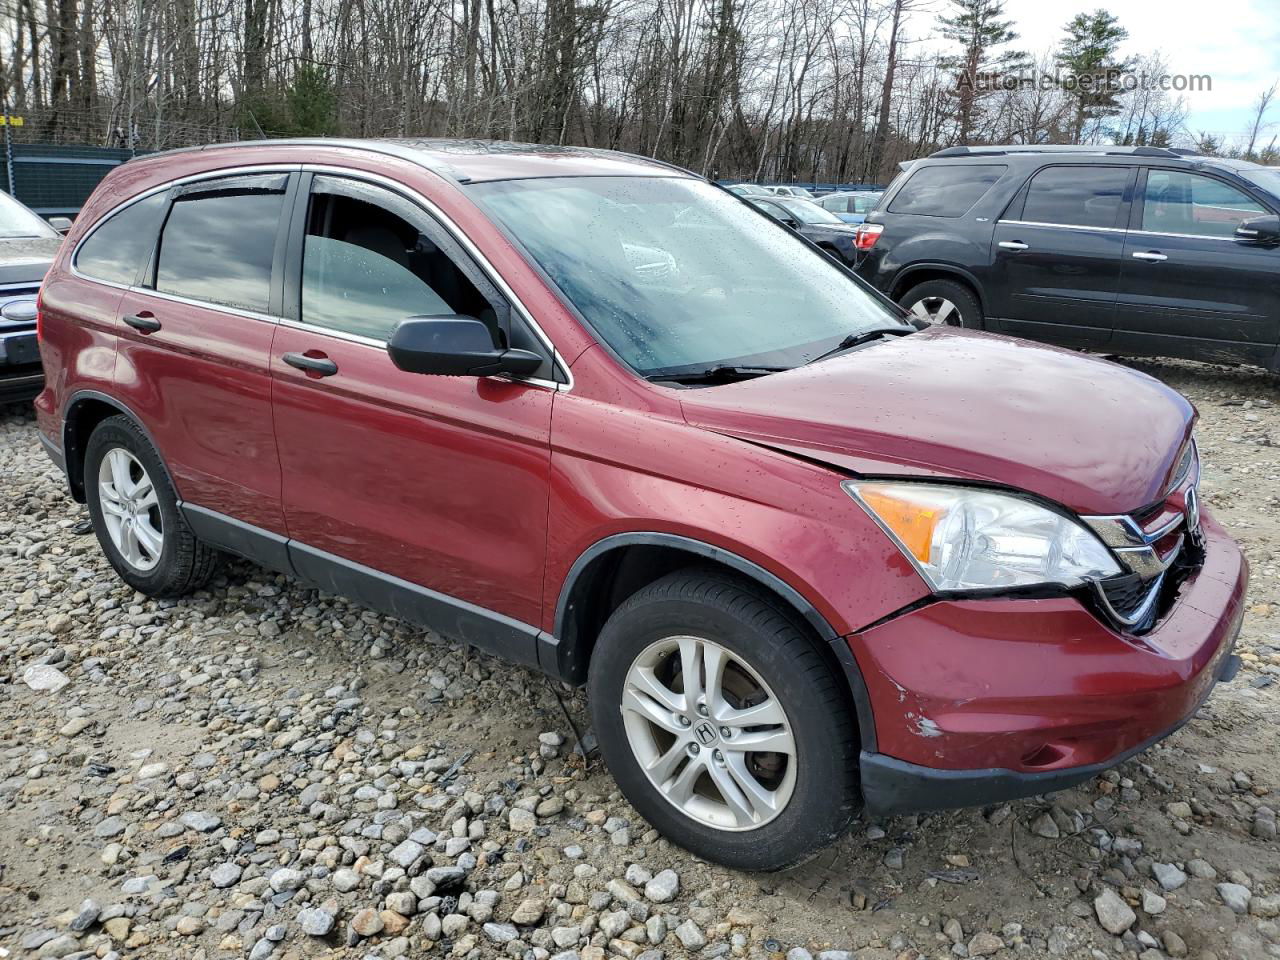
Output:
x=800 y=192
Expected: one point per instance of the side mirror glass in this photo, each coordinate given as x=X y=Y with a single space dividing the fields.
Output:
x=61 y=224
x=455 y=346
x=1259 y=230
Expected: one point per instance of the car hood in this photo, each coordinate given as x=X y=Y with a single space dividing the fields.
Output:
x=26 y=259
x=1094 y=436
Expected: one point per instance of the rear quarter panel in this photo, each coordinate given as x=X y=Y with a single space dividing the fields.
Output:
x=78 y=343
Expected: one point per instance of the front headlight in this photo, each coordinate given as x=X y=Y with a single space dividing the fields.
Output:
x=966 y=539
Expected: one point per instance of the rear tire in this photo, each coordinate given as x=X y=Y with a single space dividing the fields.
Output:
x=943 y=302
x=692 y=772
x=135 y=514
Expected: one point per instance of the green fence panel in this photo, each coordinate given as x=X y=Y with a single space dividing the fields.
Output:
x=56 y=179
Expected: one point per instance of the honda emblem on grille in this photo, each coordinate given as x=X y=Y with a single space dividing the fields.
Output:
x=1192 y=511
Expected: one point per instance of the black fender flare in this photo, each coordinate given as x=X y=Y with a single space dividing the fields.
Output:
x=71 y=456
x=753 y=571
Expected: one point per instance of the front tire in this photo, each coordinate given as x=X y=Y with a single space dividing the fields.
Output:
x=135 y=514
x=722 y=722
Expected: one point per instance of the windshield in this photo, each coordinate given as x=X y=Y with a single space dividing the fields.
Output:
x=806 y=211
x=1268 y=178
x=17 y=221
x=674 y=274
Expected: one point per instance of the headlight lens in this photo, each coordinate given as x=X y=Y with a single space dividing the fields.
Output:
x=964 y=539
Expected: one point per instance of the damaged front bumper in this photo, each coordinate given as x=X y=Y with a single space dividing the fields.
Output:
x=981 y=701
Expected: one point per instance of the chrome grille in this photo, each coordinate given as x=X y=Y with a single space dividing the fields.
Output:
x=1149 y=545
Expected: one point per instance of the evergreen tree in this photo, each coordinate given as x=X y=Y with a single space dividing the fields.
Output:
x=981 y=69
x=1091 y=69
x=312 y=103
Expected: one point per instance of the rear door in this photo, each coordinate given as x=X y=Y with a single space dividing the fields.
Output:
x=193 y=360
x=1188 y=287
x=1056 y=254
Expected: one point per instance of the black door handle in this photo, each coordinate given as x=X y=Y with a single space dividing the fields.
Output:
x=321 y=366
x=143 y=322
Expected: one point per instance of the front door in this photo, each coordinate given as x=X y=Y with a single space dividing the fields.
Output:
x=1056 y=255
x=425 y=496
x=1188 y=287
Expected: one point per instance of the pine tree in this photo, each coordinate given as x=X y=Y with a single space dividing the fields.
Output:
x=980 y=28
x=1091 y=71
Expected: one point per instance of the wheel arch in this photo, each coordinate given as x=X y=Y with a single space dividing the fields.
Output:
x=923 y=272
x=614 y=568
x=86 y=409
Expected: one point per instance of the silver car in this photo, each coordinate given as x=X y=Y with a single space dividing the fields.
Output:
x=27 y=246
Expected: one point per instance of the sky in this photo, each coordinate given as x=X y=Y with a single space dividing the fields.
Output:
x=1235 y=42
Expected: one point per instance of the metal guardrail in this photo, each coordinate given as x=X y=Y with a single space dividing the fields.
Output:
x=815 y=188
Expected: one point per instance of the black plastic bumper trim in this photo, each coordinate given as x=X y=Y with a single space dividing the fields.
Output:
x=54 y=453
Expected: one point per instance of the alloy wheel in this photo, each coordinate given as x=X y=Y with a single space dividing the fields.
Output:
x=937 y=310
x=709 y=733
x=130 y=509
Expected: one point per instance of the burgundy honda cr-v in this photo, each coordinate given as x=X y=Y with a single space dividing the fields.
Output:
x=599 y=416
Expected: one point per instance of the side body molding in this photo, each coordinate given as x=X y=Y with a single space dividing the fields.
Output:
x=490 y=631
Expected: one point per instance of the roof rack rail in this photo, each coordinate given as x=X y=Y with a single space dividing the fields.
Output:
x=1103 y=150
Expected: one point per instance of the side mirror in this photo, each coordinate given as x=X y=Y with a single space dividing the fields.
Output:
x=791 y=222
x=1259 y=230
x=61 y=224
x=455 y=347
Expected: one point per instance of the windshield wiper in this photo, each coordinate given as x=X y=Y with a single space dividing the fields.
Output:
x=723 y=372
x=858 y=339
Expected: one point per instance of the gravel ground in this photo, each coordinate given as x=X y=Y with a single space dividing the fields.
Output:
x=266 y=771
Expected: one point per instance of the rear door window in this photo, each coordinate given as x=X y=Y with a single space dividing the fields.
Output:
x=219 y=242
x=948 y=190
x=121 y=245
x=1076 y=196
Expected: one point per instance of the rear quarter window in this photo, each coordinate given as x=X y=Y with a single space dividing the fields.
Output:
x=119 y=246
x=948 y=190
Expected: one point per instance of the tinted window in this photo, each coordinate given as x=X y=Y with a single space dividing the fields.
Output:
x=806 y=211
x=365 y=268
x=1187 y=203
x=946 y=191
x=121 y=244
x=218 y=245
x=865 y=202
x=772 y=209
x=1076 y=196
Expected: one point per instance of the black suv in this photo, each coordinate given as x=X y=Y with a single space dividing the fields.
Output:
x=1139 y=250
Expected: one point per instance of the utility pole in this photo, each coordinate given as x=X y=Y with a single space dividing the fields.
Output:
x=8 y=143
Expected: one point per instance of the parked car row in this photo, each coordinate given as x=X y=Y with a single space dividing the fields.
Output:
x=603 y=418
x=1128 y=250
x=814 y=223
